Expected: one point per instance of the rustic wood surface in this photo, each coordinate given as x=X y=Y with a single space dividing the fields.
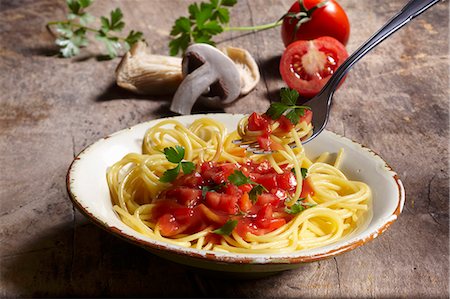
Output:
x=394 y=101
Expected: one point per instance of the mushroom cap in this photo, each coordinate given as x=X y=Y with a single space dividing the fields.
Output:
x=246 y=66
x=209 y=76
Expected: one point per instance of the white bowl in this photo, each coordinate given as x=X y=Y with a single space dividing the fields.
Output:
x=87 y=187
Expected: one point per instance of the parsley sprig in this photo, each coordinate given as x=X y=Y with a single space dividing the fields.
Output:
x=204 y=21
x=176 y=155
x=71 y=34
x=287 y=106
x=238 y=178
x=212 y=18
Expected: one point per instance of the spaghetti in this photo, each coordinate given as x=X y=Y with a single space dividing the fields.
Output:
x=316 y=211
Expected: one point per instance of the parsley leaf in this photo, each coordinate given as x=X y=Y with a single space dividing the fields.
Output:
x=238 y=178
x=227 y=228
x=289 y=96
x=204 y=21
x=295 y=208
x=256 y=190
x=69 y=41
x=170 y=175
x=188 y=167
x=72 y=33
x=287 y=106
x=111 y=43
x=175 y=155
x=132 y=38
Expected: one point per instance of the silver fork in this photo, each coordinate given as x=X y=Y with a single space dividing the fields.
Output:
x=321 y=103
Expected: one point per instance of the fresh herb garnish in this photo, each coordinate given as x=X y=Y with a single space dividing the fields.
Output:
x=238 y=178
x=256 y=190
x=176 y=155
x=304 y=172
x=227 y=228
x=204 y=21
x=72 y=33
x=211 y=18
x=287 y=106
x=295 y=208
x=299 y=206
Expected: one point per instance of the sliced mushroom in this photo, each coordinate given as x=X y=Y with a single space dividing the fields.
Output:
x=209 y=75
x=247 y=68
x=144 y=73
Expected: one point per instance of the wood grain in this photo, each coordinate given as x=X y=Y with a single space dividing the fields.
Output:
x=394 y=101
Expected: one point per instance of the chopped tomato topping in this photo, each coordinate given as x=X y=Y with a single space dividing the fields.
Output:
x=258 y=122
x=244 y=202
x=207 y=198
x=307 y=117
x=307 y=188
x=285 y=124
x=267 y=144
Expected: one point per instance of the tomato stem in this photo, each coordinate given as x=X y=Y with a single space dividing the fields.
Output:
x=258 y=27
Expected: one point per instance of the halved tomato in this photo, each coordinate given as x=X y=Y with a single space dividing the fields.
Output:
x=307 y=65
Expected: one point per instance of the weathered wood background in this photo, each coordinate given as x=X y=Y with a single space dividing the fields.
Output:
x=395 y=101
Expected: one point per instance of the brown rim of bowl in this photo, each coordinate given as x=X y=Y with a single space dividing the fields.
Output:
x=211 y=256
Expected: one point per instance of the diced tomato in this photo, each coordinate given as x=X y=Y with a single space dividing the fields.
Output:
x=274 y=224
x=245 y=226
x=279 y=193
x=269 y=181
x=193 y=180
x=267 y=198
x=183 y=209
x=223 y=202
x=212 y=238
x=307 y=117
x=206 y=166
x=168 y=225
x=245 y=187
x=267 y=144
x=257 y=122
x=307 y=188
x=231 y=189
x=285 y=124
x=244 y=202
x=263 y=167
x=286 y=181
x=264 y=216
x=184 y=195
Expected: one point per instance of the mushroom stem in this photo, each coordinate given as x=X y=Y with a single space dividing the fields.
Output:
x=191 y=88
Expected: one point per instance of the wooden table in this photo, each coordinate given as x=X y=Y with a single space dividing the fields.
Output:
x=395 y=101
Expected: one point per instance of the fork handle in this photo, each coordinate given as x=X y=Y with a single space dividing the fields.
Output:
x=410 y=11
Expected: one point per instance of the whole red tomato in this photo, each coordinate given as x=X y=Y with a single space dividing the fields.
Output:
x=328 y=20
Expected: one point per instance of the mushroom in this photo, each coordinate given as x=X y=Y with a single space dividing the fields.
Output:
x=209 y=75
x=247 y=68
x=144 y=73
